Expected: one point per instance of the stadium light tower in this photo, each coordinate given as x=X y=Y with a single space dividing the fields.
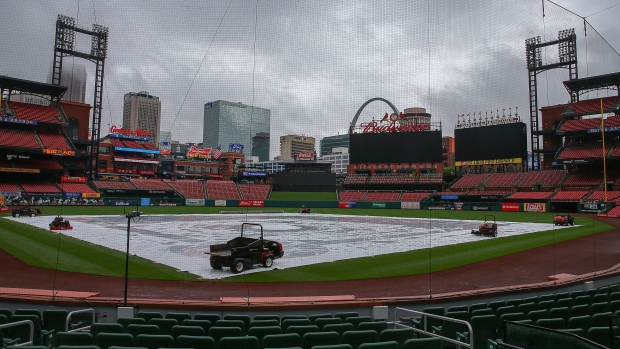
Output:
x=130 y=216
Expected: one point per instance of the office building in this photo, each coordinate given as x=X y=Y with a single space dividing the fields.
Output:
x=227 y=123
x=331 y=142
x=290 y=145
x=142 y=111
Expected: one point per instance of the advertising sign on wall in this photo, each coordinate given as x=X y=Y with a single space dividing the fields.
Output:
x=511 y=206
x=535 y=207
x=197 y=202
x=410 y=205
x=220 y=203
x=346 y=204
x=251 y=203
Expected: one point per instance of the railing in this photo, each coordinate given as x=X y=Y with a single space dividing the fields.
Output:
x=402 y=313
x=68 y=321
x=18 y=323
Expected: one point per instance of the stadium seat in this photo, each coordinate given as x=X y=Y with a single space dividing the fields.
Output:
x=246 y=342
x=34 y=312
x=602 y=307
x=484 y=328
x=380 y=345
x=148 y=315
x=245 y=318
x=232 y=323
x=137 y=329
x=575 y=294
x=535 y=315
x=205 y=324
x=565 y=302
x=562 y=313
x=261 y=331
x=552 y=323
x=356 y=338
x=126 y=321
x=301 y=330
x=263 y=323
x=583 y=300
x=7 y=312
x=600 y=319
x=105 y=340
x=41 y=337
x=103 y=327
x=614 y=306
x=480 y=312
x=399 y=335
x=313 y=317
x=213 y=318
x=74 y=338
x=178 y=316
x=339 y=328
x=356 y=320
x=321 y=322
x=294 y=322
x=496 y=304
x=582 y=322
x=287 y=340
x=55 y=320
x=546 y=297
x=423 y=343
x=218 y=333
x=601 y=335
x=195 y=342
x=532 y=299
x=505 y=310
x=514 y=302
x=267 y=317
x=312 y=339
x=614 y=296
x=580 y=310
x=378 y=326
x=546 y=305
x=561 y=295
x=476 y=306
x=430 y=321
x=5 y=333
x=525 y=308
x=154 y=341
x=450 y=328
x=501 y=322
x=165 y=325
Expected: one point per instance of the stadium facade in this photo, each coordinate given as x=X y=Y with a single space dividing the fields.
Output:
x=227 y=123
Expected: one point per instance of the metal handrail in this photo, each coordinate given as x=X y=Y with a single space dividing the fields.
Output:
x=22 y=322
x=68 y=321
x=424 y=317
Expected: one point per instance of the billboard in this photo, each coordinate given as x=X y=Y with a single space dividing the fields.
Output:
x=395 y=147
x=495 y=142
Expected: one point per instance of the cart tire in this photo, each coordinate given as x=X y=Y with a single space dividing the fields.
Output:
x=215 y=264
x=268 y=262
x=33 y=214
x=237 y=267
x=16 y=215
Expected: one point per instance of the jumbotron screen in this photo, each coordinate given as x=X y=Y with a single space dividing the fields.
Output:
x=395 y=147
x=505 y=141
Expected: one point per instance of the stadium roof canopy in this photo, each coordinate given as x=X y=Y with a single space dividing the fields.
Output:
x=593 y=82
x=15 y=84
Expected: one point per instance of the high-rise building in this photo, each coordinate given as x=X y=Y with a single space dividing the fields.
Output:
x=142 y=111
x=73 y=76
x=227 y=123
x=331 y=142
x=290 y=145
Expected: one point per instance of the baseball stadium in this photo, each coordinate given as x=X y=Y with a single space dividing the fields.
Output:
x=504 y=235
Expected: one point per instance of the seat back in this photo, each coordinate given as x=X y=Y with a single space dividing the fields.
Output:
x=346 y=314
x=356 y=320
x=357 y=338
x=74 y=338
x=267 y=317
x=424 y=343
x=148 y=315
x=261 y=331
x=218 y=332
x=313 y=317
x=579 y=310
x=562 y=313
x=137 y=329
x=287 y=340
x=195 y=342
x=165 y=325
x=602 y=307
x=583 y=322
x=301 y=330
x=178 y=316
x=232 y=323
x=378 y=326
x=179 y=330
x=126 y=321
x=398 y=335
x=105 y=327
x=245 y=318
x=205 y=324
x=35 y=312
x=211 y=317
x=565 y=302
x=339 y=328
x=600 y=319
x=154 y=341
x=484 y=328
x=321 y=322
x=546 y=305
x=504 y=310
x=246 y=342
x=294 y=322
x=535 y=315
x=380 y=345
x=105 y=340
x=55 y=320
x=263 y=323
x=552 y=323
x=312 y=339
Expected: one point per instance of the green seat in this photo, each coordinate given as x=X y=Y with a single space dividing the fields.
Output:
x=483 y=327
x=476 y=306
x=450 y=328
x=136 y=329
x=562 y=313
x=55 y=320
x=246 y=342
x=601 y=335
x=380 y=345
x=505 y=310
x=195 y=342
x=232 y=323
x=339 y=328
x=356 y=320
x=614 y=296
x=245 y=318
x=591 y=292
x=41 y=337
x=178 y=316
x=126 y=321
x=398 y=335
x=261 y=331
x=546 y=297
x=155 y=341
x=104 y=340
x=165 y=325
x=264 y=323
x=312 y=339
x=423 y=343
x=35 y=312
x=546 y=305
x=481 y=312
x=496 y=304
x=356 y=338
x=580 y=310
x=293 y=316
x=575 y=294
x=213 y=318
x=105 y=327
x=532 y=299
x=552 y=323
x=220 y=332
x=286 y=340
x=313 y=317
x=7 y=312
x=515 y=302
x=378 y=326
x=75 y=338
x=526 y=307
x=179 y=330
x=600 y=319
x=561 y=295
x=301 y=330
x=565 y=302
x=501 y=322
x=321 y=322
x=205 y=324
x=267 y=317
x=582 y=322
x=583 y=300
x=4 y=334
x=345 y=314
x=148 y=315
x=535 y=315
x=602 y=307
x=458 y=308
x=430 y=321
x=294 y=322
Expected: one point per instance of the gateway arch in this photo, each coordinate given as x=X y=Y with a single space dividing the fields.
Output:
x=359 y=111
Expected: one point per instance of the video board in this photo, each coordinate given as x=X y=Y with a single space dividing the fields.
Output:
x=507 y=141
x=395 y=147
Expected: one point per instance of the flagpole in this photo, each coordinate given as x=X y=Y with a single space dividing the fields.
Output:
x=604 y=155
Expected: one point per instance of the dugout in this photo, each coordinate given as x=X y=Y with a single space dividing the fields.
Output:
x=305 y=176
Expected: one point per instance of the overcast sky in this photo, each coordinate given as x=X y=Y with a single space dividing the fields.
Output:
x=314 y=63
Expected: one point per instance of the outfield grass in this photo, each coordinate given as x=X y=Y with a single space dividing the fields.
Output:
x=303 y=196
x=40 y=247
